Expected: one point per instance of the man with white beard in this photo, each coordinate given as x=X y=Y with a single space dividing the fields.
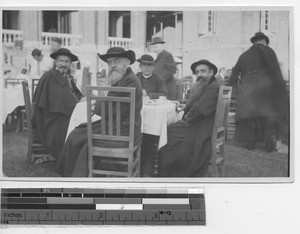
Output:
x=73 y=161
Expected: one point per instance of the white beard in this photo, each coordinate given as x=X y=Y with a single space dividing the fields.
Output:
x=115 y=76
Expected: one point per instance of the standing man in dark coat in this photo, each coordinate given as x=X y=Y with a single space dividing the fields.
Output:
x=54 y=100
x=74 y=157
x=189 y=147
x=152 y=84
x=263 y=103
x=165 y=67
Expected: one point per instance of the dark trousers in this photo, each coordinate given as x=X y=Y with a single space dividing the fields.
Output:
x=259 y=129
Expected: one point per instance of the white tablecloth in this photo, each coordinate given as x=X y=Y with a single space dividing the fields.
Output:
x=155 y=119
x=11 y=99
x=79 y=116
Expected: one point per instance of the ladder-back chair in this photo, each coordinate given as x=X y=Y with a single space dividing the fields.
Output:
x=35 y=148
x=219 y=131
x=120 y=162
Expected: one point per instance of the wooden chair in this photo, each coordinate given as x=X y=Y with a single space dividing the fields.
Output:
x=182 y=87
x=35 y=148
x=120 y=162
x=12 y=81
x=219 y=131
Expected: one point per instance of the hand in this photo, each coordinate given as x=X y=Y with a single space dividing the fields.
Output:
x=83 y=99
x=144 y=92
x=182 y=122
x=180 y=107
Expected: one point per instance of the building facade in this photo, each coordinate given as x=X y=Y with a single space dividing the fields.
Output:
x=220 y=36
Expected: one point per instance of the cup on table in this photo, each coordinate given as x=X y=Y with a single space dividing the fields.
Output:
x=162 y=99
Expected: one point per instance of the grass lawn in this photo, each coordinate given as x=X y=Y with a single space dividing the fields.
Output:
x=239 y=161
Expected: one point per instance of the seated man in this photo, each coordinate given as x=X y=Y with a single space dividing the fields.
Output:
x=74 y=157
x=188 y=151
x=54 y=100
x=152 y=84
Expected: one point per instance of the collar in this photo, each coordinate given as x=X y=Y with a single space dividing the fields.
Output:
x=146 y=76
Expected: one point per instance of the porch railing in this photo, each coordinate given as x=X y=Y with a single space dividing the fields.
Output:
x=10 y=36
x=126 y=43
x=67 y=39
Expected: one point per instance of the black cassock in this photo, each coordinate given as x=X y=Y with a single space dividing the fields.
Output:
x=188 y=151
x=53 y=104
x=73 y=161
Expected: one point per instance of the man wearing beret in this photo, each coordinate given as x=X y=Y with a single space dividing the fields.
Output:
x=54 y=100
x=152 y=84
x=74 y=157
x=165 y=67
x=263 y=103
x=189 y=147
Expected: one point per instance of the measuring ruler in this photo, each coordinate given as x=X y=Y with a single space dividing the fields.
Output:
x=81 y=206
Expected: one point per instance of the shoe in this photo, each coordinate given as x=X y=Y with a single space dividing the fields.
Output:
x=47 y=158
x=271 y=144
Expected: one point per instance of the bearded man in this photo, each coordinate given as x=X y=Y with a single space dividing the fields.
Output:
x=74 y=158
x=54 y=100
x=189 y=147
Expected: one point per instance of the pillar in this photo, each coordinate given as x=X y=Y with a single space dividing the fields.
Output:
x=138 y=20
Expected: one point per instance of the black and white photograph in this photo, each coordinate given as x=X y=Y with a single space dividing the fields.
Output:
x=157 y=93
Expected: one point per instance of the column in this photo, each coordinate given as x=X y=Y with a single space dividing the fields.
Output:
x=75 y=29
x=138 y=29
x=102 y=28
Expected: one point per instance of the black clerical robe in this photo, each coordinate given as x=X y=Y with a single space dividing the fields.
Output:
x=154 y=85
x=53 y=103
x=73 y=161
x=188 y=151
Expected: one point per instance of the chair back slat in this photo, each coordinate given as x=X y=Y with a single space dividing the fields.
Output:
x=118 y=118
x=103 y=120
x=110 y=117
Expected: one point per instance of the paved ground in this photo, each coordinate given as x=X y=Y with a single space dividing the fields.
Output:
x=239 y=161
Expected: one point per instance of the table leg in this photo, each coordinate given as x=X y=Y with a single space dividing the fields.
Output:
x=155 y=157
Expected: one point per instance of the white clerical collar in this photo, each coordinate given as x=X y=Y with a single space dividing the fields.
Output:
x=147 y=76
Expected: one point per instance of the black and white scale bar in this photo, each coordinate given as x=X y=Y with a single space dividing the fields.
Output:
x=111 y=217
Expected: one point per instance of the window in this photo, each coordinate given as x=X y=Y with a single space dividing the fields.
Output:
x=269 y=21
x=57 y=21
x=207 y=23
x=119 y=24
x=10 y=20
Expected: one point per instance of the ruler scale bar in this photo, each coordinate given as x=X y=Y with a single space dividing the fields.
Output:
x=86 y=206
